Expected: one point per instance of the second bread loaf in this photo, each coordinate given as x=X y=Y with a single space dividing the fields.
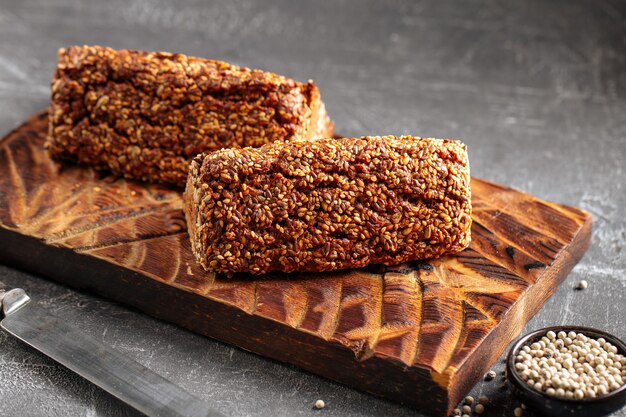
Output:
x=145 y=115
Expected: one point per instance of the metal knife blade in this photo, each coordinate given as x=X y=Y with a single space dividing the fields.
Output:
x=109 y=369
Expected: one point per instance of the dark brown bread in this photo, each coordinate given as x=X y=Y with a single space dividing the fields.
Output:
x=145 y=115
x=328 y=204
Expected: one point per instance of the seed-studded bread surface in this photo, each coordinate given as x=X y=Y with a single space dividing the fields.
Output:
x=328 y=204
x=145 y=115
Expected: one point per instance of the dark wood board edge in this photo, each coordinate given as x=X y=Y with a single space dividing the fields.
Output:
x=202 y=315
x=478 y=363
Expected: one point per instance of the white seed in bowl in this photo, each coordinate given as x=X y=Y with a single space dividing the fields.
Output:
x=571 y=365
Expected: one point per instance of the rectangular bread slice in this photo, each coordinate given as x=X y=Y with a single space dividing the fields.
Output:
x=145 y=115
x=328 y=204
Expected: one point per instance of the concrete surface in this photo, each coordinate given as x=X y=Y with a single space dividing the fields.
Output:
x=537 y=89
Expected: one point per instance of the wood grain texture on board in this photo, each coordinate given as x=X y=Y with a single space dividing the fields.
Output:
x=420 y=333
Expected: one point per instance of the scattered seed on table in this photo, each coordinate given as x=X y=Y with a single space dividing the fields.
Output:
x=479 y=409
x=518 y=412
x=489 y=376
x=483 y=399
x=465 y=415
x=582 y=285
x=469 y=400
x=466 y=409
x=456 y=412
x=319 y=404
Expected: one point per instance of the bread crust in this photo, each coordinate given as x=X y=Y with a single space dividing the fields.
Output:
x=328 y=204
x=145 y=115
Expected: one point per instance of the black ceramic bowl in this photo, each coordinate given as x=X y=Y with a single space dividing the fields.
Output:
x=552 y=406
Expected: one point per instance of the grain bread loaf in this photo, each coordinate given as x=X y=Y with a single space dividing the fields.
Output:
x=145 y=115
x=328 y=204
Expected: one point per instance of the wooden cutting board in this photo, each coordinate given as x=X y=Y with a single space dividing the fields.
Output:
x=421 y=333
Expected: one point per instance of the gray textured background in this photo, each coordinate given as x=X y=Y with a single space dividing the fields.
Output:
x=537 y=89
